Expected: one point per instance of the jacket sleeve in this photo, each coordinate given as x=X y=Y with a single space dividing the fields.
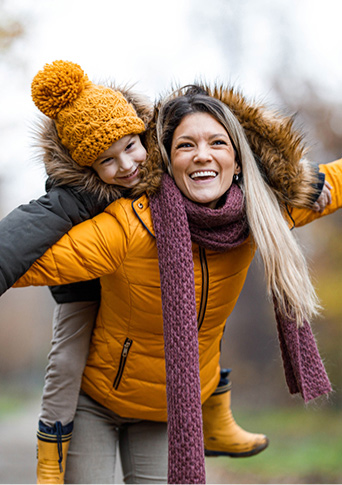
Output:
x=89 y=250
x=30 y=229
x=333 y=175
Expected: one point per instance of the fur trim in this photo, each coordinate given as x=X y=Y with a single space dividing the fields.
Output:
x=278 y=148
x=61 y=168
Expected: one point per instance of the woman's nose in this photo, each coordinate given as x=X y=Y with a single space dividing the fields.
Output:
x=202 y=154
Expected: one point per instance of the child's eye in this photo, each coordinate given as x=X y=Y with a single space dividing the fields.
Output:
x=106 y=160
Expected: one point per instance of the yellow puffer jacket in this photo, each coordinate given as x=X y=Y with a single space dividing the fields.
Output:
x=125 y=370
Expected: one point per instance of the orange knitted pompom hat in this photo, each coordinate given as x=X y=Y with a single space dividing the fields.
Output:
x=89 y=118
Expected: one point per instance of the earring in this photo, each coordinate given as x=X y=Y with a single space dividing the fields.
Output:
x=236 y=177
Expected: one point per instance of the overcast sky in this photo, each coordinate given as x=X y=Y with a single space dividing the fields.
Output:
x=154 y=43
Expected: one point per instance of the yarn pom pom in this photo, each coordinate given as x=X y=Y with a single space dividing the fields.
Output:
x=57 y=85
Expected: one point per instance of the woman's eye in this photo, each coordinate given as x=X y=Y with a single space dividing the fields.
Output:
x=129 y=145
x=220 y=142
x=184 y=145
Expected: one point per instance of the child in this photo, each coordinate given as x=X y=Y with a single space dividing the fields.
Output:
x=92 y=149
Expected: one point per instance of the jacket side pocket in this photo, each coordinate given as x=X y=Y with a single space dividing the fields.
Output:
x=124 y=354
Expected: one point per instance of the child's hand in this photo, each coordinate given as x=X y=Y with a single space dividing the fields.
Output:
x=324 y=199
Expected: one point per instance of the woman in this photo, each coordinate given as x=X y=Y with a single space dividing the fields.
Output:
x=198 y=222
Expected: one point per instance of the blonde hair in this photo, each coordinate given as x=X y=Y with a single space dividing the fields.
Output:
x=286 y=270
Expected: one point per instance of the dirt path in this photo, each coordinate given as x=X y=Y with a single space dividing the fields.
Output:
x=18 y=446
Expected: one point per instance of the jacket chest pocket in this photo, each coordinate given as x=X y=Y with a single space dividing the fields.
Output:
x=123 y=359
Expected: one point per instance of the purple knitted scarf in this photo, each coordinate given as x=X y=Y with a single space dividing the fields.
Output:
x=178 y=221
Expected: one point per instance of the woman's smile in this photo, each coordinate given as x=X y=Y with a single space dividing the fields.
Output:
x=203 y=175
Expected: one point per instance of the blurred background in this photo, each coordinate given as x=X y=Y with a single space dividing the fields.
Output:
x=286 y=53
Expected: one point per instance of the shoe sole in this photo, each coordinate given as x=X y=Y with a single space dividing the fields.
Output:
x=244 y=454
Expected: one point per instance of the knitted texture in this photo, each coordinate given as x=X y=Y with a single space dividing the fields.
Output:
x=176 y=222
x=303 y=366
x=89 y=118
x=220 y=229
x=169 y=212
x=185 y=436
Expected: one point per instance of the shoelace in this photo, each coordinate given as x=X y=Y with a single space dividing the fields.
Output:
x=59 y=433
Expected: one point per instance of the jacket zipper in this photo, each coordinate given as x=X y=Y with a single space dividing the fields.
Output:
x=205 y=287
x=124 y=354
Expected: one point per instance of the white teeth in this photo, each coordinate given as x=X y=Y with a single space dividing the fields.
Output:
x=205 y=173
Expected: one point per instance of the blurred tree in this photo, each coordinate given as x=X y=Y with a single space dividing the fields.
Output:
x=10 y=29
x=318 y=116
x=25 y=315
x=321 y=118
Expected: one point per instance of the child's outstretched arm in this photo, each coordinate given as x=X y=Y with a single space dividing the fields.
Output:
x=94 y=248
x=30 y=229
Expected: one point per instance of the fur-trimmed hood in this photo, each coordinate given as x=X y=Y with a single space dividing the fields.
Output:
x=278 y=148
x=63 y=170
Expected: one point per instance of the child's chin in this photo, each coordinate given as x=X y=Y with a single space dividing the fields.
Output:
x=131 y=184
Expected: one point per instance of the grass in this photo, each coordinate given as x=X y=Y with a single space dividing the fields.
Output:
x=13 y=398
x=305 y=447
x=9 y=404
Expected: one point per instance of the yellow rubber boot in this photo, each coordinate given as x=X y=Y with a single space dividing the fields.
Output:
x=52 y=450
x=222 y=435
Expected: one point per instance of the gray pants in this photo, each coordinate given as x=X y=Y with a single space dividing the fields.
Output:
x=72 y=328
x=93 y=449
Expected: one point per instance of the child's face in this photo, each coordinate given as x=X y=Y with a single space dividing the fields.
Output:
x=119 y=164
